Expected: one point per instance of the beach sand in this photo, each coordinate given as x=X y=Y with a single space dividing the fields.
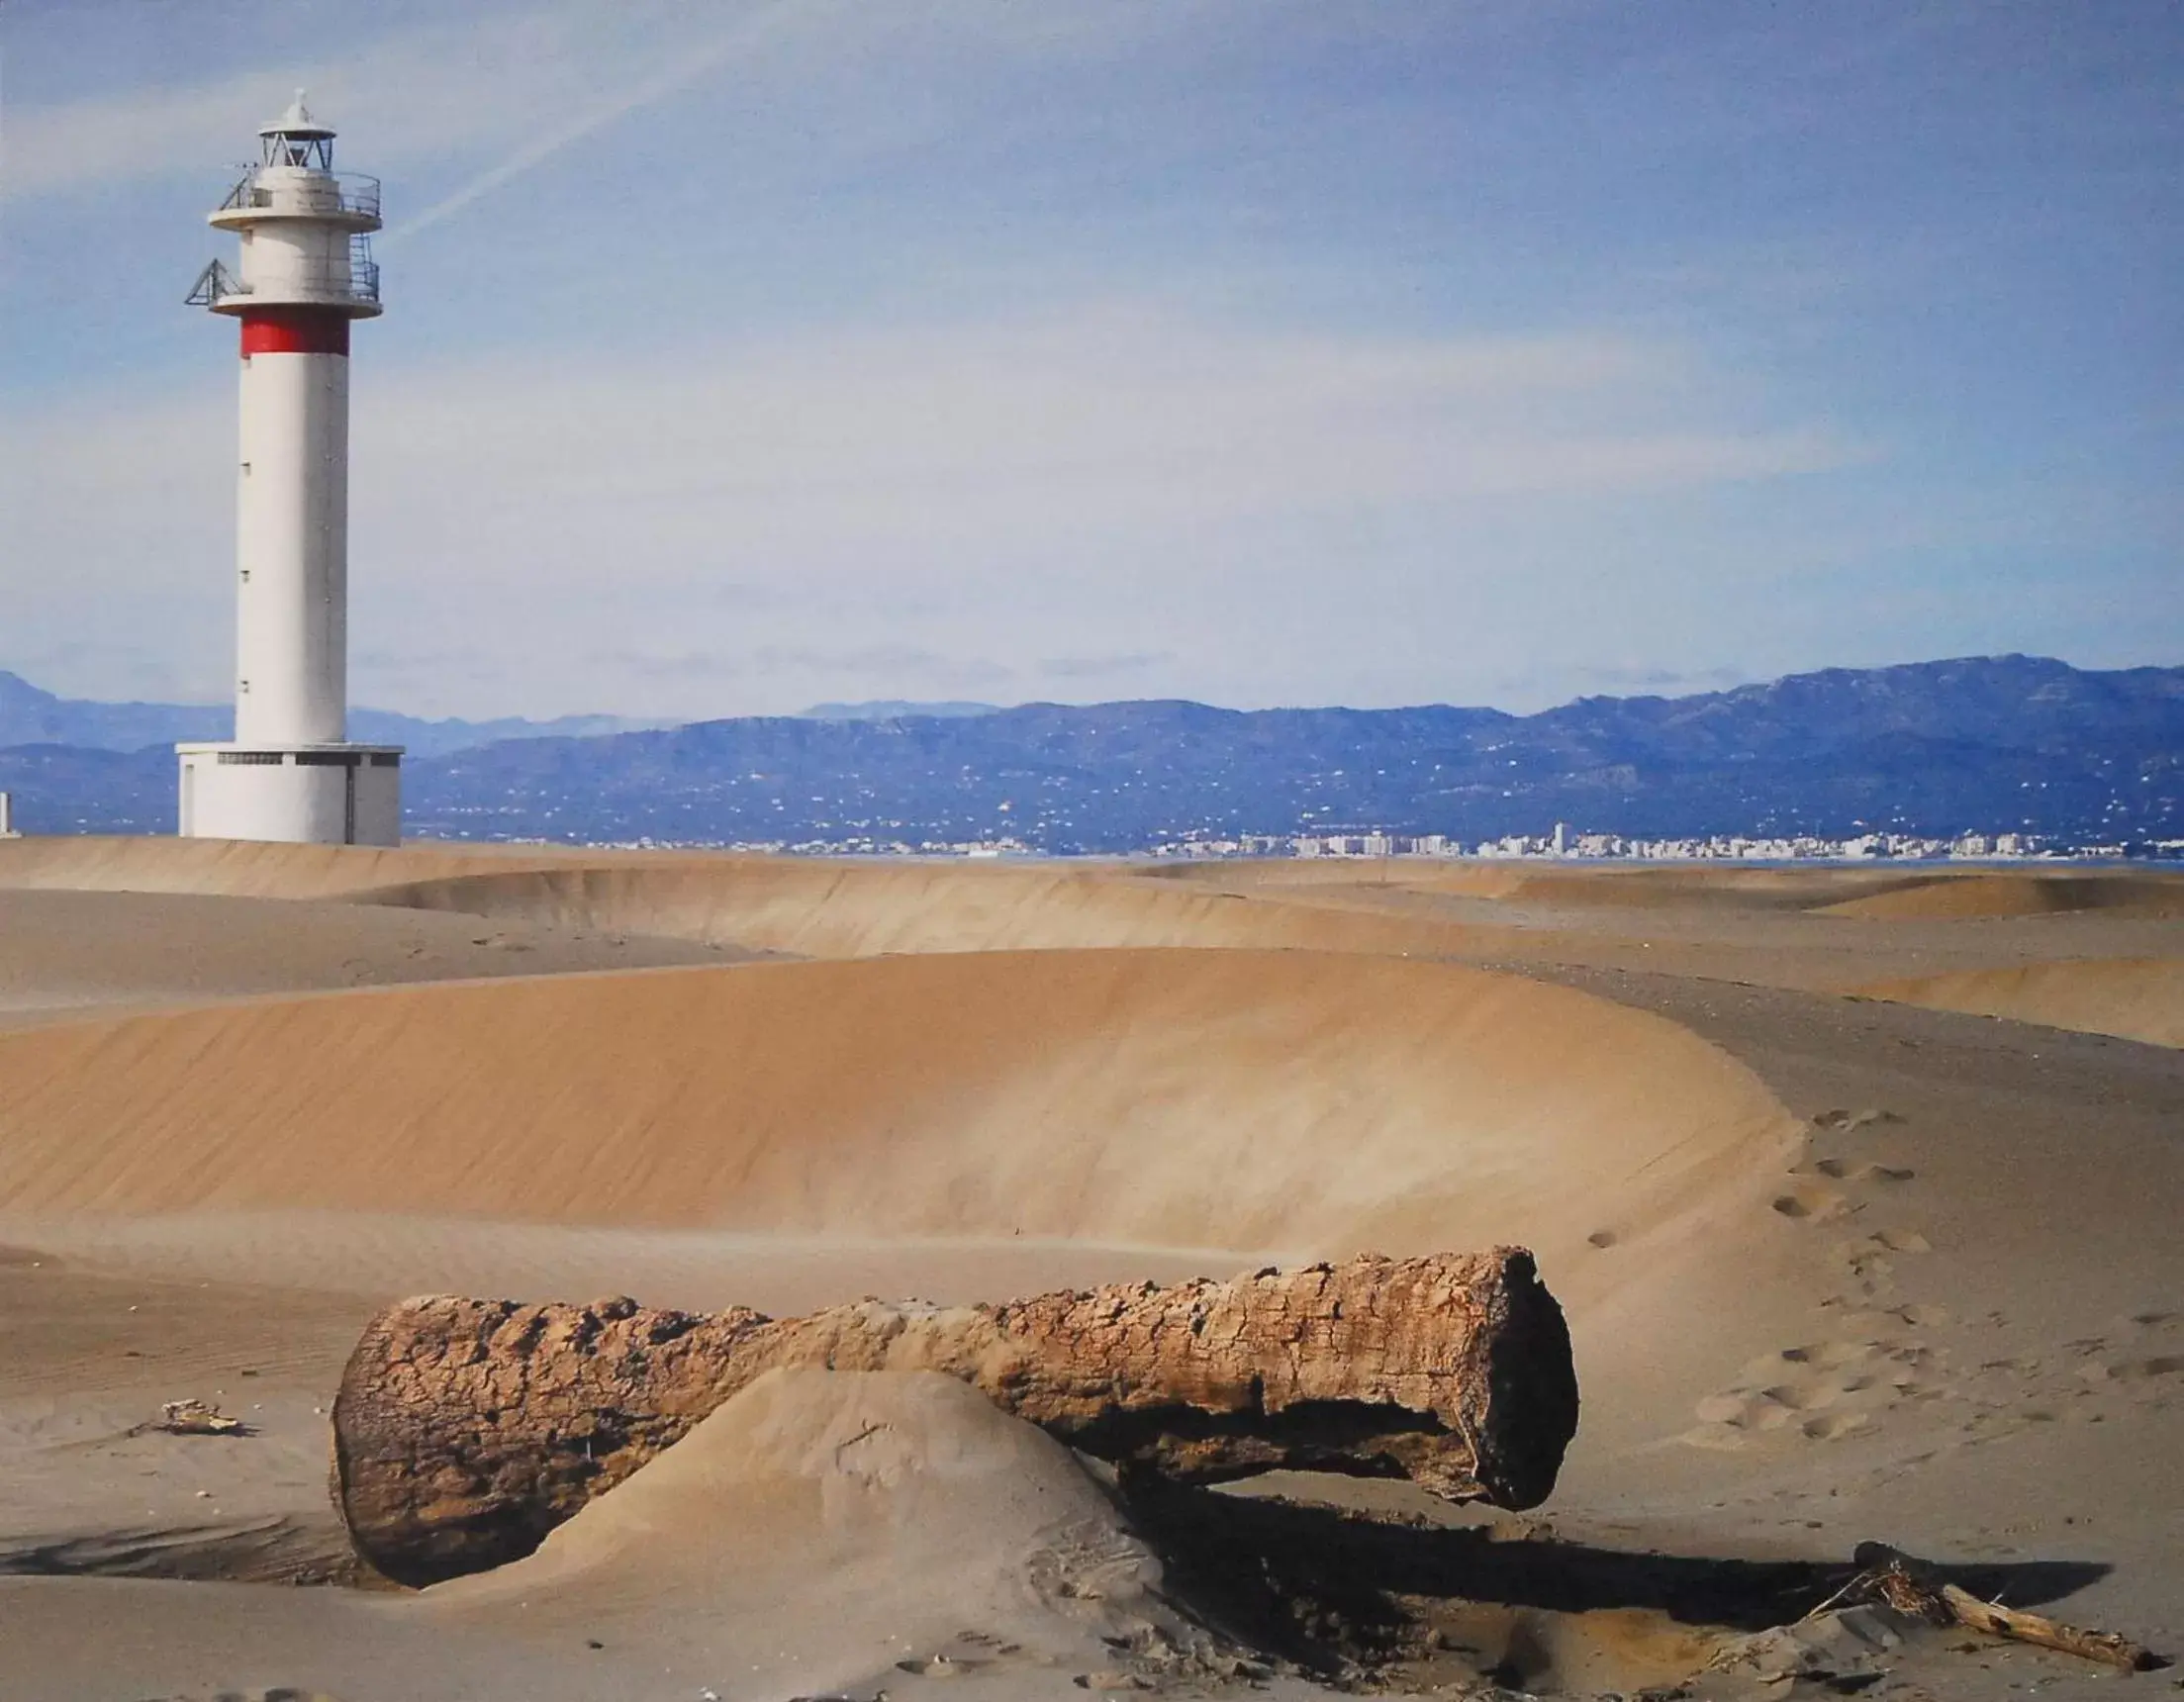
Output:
x=1852 y=1247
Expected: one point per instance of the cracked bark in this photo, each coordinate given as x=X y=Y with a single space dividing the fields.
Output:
x=466 y=1429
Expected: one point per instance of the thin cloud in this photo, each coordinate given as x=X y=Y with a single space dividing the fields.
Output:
x=771 y=661
x=687 y=70
x=1098 y=667
x=417 y=91
x=754 y=524
x=442 y=92
x=922 y=437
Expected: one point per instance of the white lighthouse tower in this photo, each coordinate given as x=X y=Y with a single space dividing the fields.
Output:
x=305 y=273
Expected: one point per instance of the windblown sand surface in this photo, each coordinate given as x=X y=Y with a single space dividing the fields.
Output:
x=73 y=953
x=2134 y=999
x=1837 y=1268
x=899 y=1510
x=1963 y=898
x=1241 y=1099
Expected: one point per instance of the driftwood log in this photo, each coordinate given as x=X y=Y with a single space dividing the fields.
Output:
x=465 y=1430
x=1911 y=1588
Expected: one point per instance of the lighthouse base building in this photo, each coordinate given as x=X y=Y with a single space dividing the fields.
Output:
x=305 y=275
x=324 y=795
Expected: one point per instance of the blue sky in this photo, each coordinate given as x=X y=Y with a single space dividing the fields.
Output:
x=740 y=355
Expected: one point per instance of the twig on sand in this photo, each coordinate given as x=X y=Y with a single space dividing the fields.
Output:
x=1856 y=1584
x=1894 y=1578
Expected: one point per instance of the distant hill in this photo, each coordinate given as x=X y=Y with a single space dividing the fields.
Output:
x=66 y=789
x=30 y=715
x=890 y=710
x=1990 y=744
x=2009 y=743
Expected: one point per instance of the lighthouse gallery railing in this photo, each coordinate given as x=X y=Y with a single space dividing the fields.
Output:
x=358 y=281
x=348 y=192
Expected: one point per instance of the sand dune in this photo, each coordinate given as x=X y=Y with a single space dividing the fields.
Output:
x=819 y=909
x=1240 y=1100
x=67 y=953
x=2134 y=999
x=803 y=907
x=239 y=868
x=1718 y=889
x=1782 y=926
x=1785 y=927
x=1880 y=893
x=1718 y=885
x=1969 y=896
x=896 y=1509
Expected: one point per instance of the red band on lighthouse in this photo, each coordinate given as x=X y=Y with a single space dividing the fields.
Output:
x=294 y=330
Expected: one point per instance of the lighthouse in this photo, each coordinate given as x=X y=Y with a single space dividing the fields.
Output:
x=305 y=275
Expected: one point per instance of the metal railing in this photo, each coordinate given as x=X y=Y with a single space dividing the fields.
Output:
x=212 y=283
x=356 y=282
x=363 y=270
x=345 y=192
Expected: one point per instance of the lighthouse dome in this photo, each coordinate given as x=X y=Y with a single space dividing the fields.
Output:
x=298 y=123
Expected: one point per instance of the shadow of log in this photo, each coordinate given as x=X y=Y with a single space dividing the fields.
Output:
x=1325 y=1588
x=265 y=1551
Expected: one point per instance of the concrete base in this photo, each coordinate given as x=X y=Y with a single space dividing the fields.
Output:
x=312 y=794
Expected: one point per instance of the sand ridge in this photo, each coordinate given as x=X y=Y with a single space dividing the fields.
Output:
x=2133 y=999
x=234 y=867
x=1252 y=1100
x=810 y=908
x=1833 y=928
x=67 y=953
x=1969 y=896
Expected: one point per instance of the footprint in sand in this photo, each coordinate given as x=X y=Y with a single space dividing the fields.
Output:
x=1834 y=1426
x=1868 y=1253
x=2148 y=1370
x=1820 y=1390
x=1836 y=1352
x=942 y=1666
x=1844 y=1170
x=1810 y=1197
x=1809 y=1203
x=1840 y=1121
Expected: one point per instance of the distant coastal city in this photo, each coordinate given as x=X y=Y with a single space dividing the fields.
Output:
x=1565 y=843
x=1561 y=844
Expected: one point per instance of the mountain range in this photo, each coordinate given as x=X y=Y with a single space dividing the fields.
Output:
x=30 y=715
x=1986 y=744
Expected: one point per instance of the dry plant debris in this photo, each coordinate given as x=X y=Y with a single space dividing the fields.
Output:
x=1894 y=1578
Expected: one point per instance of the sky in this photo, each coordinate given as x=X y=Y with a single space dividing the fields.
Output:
x=750 y=354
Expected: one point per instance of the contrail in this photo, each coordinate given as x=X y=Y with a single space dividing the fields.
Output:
x=684 y=73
